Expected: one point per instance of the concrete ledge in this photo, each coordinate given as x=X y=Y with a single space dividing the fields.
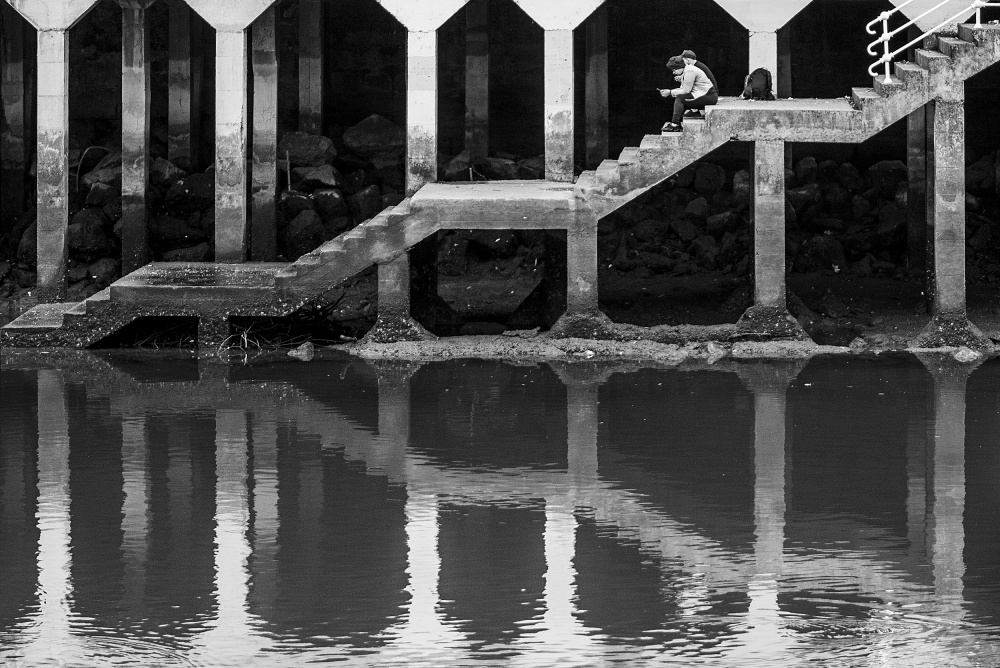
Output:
x=499 y=204
x=191 y=284
x=41 y=318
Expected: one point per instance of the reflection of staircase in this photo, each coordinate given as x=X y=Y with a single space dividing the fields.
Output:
x=943 y=63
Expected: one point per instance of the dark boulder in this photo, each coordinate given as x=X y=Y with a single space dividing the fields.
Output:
x=304 y=234
x=305 y=150
x=190 y=194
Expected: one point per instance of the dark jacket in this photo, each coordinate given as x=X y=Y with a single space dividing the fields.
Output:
x=711 y=77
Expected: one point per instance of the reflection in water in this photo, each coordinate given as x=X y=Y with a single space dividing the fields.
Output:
x=500 y=514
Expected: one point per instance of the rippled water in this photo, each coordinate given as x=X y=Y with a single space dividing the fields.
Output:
x=158 y=511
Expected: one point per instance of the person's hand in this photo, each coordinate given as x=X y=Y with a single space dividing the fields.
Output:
x=664 y=92
x=678 y=77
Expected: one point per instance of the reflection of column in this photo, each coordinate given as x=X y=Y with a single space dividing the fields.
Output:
x=54 y=585
x=946 y=441
x=916 y=476
x=393 y=418
x=582 y=390
x=232 y=517
x=135 y=519
x=265 y=508
x=424 y=624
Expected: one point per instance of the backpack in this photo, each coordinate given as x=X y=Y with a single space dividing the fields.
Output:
x=757 y=85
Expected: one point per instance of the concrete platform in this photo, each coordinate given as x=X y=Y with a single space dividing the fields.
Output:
x=498 y=204
x=195 y=284
x=41 y=318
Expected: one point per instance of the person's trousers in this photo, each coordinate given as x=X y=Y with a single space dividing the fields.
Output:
x=687 y=101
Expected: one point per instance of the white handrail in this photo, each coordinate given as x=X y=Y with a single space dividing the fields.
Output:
x=888 y=55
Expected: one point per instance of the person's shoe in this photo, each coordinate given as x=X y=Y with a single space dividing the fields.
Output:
x=692 y=113
x=672 y=127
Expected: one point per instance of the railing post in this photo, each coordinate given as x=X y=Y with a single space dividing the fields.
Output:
x=885 y=44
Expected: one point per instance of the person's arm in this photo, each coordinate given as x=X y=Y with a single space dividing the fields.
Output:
x=687 y=84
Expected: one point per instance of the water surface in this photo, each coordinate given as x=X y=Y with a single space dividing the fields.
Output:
x=162 y=511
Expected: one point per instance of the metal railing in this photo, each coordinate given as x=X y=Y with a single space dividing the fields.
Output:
x=889 y=55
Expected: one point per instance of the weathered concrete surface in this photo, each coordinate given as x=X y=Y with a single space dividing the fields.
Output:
x=394 y=320
x=499 y=204
x=946 y=206
x=559 y=14
x=311 y=66
x=559 y=103
x=231 y=146
x=581 y=264
x=13 y=154
x=767 y=220
x=263 y=226
x=182 y=124
x=477 y=78
x=424 y=16
x=52 y=160
x=917 y=8
x=52 y=14
x=421 y=110
x=918 y=146
x=764 y=50
x=135 y=133
x=230 y=16
x=597 y=87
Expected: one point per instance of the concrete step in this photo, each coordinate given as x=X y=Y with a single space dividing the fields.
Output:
x=988 y=32
x=189 y=284
x=607 y=171
x=932 y=61
x=332 y=254
x=910 y=73
x=629 y=156
x=865 y=97
x=40 y=319
x=953 y=47
x=889 y=89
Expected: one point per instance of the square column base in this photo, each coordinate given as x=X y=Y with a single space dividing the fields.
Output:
x=768 y=323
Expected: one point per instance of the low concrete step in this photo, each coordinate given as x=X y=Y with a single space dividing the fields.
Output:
x=887 y=89
x=953 y=47
x=40 y=319
x=932 y=61
x=629 y=156
x=986 y=32
x=188 y=284
x=863 y=97
x=496 y=204
x=910 y=73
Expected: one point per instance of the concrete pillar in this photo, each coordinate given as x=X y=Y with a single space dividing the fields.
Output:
x=768 y=224
x=13 y=154
x=581 y=264
x=783 y=76
x=394 y=320
x=946 y=206
x=917 y=147
x=311 y=66
x=477 y=78
x=182 y=116
x=597 y=87
x=263 y=226
x=559 y=104
x=52 y=162
x=231 y=146
x=135 y=133
x=764 y=50
x=421 y=110
x=231 y=187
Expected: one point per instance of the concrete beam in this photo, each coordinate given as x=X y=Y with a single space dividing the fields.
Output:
x=263 y=226
x=13 y=153
x=597 y=87
x=229 y=15
x=477 y=78
x=768 y=224
x=763 y=15
x=559 y=106
x=559 y=14
x=52 y=162
x=311 y=66
x=915 y=9
x=46 y=15
x=423 y=16
x=135 y=133
x=182 y=125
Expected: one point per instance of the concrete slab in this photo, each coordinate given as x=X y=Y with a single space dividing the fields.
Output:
x=197 y=284
x=44 y=317
x=499 y=204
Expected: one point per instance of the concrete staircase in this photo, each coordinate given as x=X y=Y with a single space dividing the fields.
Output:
x=943 y=63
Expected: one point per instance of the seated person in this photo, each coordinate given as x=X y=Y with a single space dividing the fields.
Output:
x=695 y=91
x=691 y=59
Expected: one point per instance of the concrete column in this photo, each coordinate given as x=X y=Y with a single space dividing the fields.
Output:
x=559 y=101
x=231 y=146
x=52 y=162
x=311 y=66
x=946 y=206
x=182 y=125
x=764 y=50
x=135 y=133
x=783 y=75
x=581 y=265
x=263 y=226
x=597 y=87
x=13 y=156
x=421 y=110
x=917 y=146
x=768 y=224
x=477 y=78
